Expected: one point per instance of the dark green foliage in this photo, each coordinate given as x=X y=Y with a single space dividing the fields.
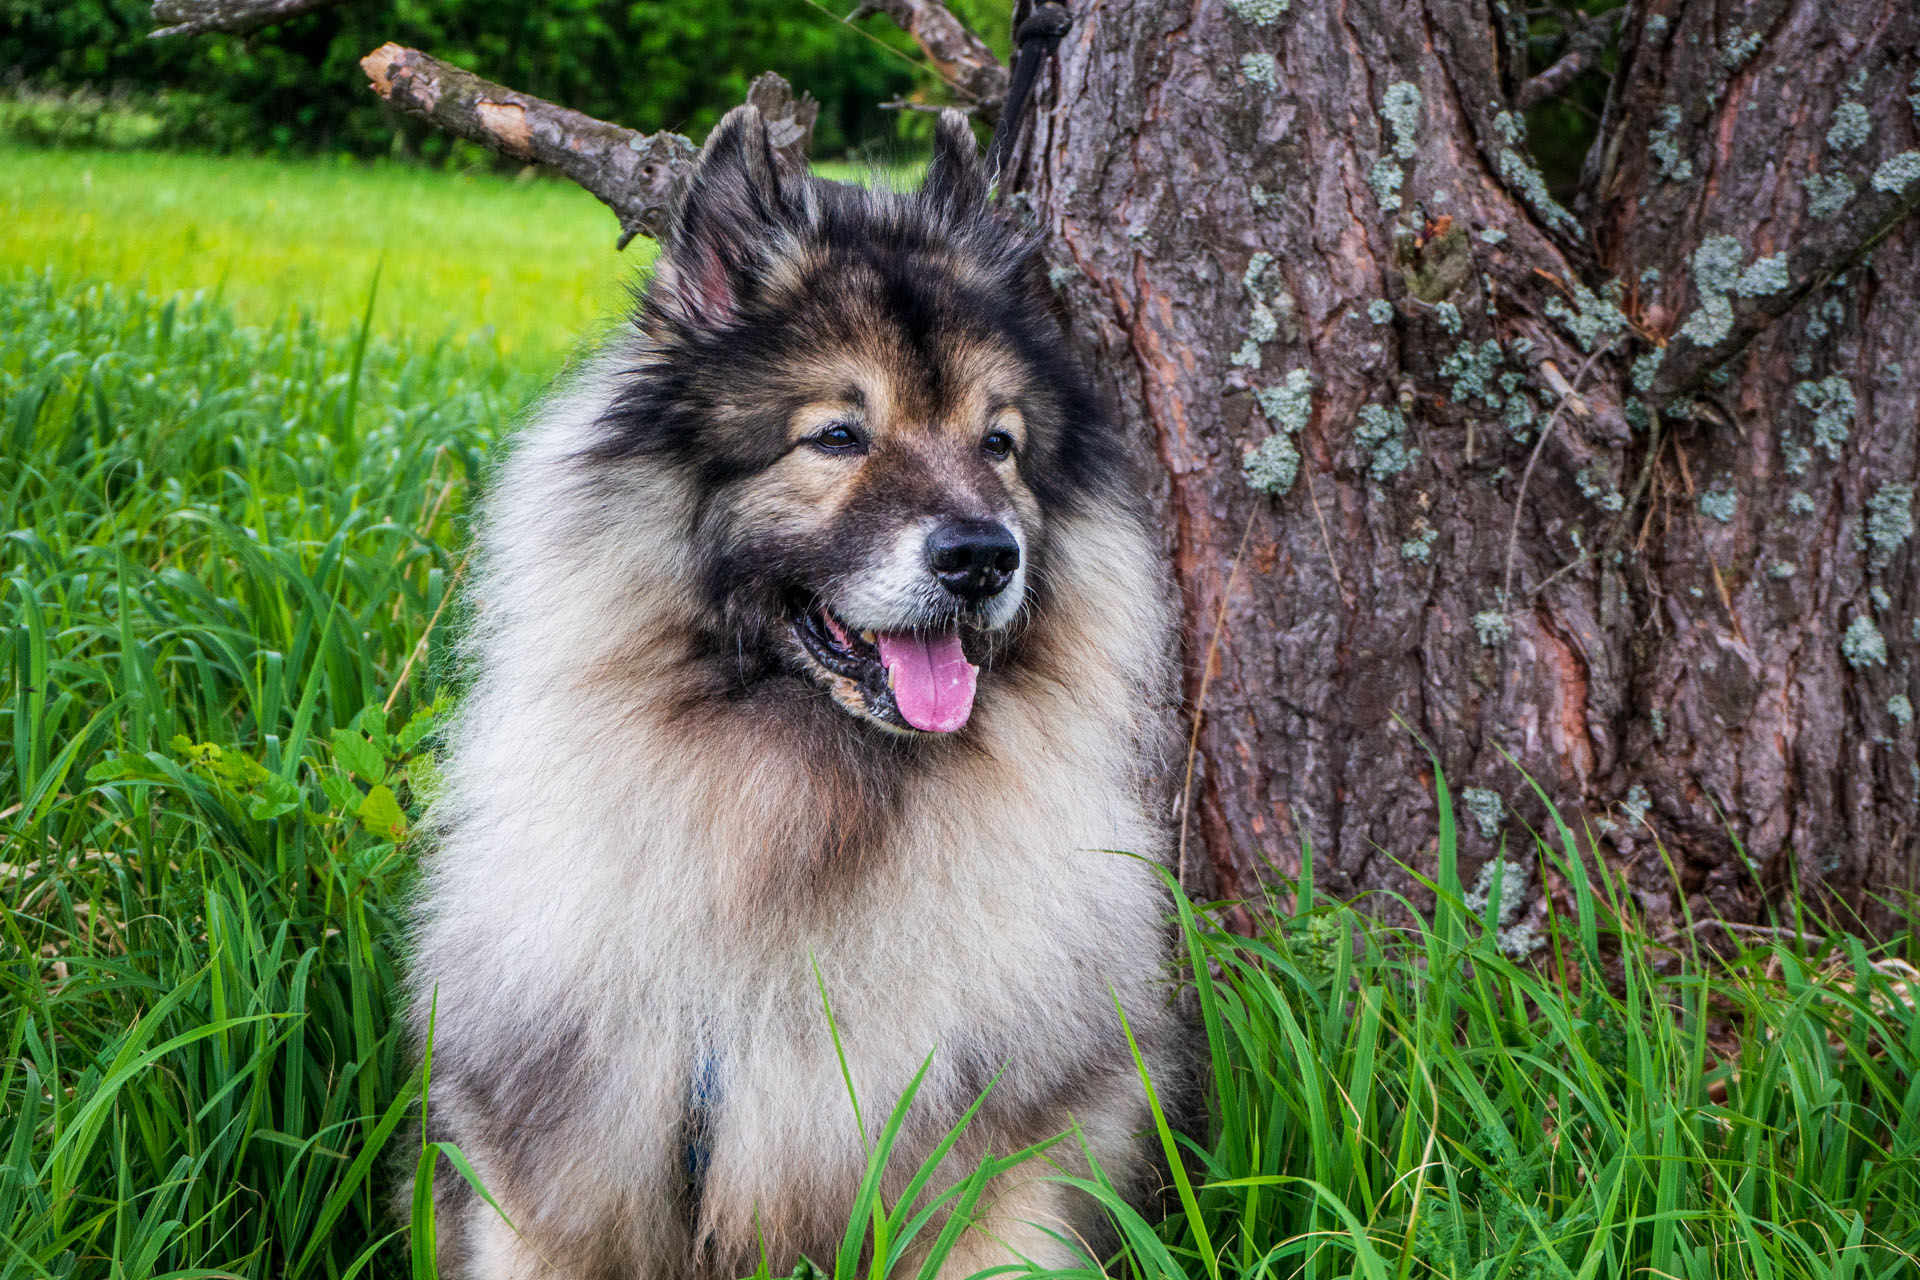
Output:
x=649 y=64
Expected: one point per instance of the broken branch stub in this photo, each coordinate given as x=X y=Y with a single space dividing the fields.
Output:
x=236 y=17
x=789 y=116
x=630 y=172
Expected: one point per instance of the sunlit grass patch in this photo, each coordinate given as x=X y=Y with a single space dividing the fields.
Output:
x=528 y=265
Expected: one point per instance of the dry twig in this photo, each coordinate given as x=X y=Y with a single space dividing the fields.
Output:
x=630 y=172
x=235 y=17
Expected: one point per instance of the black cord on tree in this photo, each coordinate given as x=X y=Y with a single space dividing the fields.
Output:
x=1033 y=40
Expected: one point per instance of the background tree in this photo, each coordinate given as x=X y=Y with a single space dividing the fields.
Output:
x=1611 y=477
x=1616 y=484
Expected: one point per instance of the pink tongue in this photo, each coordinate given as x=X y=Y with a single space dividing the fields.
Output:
x=932 y=679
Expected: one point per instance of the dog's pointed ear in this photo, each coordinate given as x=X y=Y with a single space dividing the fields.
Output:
x=956 y=184
x=732 y=207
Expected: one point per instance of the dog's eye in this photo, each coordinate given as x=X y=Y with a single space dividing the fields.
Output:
x=837 y=437
x=997 y=443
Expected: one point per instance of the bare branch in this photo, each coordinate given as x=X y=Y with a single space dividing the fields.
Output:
x=927 y=108
x=963 y=58
x=1584 y=47
x=630 y=172
x=1822 y=252
x=236 y=17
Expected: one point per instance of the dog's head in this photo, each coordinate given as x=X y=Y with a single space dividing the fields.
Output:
x=871 y=402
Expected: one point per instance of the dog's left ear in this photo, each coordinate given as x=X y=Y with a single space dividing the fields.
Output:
x=956 y=184
x=733 y=208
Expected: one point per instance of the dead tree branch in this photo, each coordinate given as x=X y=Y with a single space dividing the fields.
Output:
x=1825 y=250
x=1584 y=47
x=236 y=17
x=962 y=58
x=630 y=172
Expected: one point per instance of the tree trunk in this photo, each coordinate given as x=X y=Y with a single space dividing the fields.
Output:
x=1441 y=459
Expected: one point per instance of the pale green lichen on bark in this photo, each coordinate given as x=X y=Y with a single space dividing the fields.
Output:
x=1515 y=937
x=1589 y=317
x=1261 y=13
x=1740 y=47
x=1401 y=110
x=1897 y=173
x=1646 y=367
x=1381 y=433
x=1766 y=276
x=1472 y=368
x=1520 y=175
x=1719 y=504
x=1716 y=274
x=1801 y=504
x=1488 y=811
x=1831 y=400
x=1492 y=627
x=1260 y=70
x=1827 y=194
x=1448 y=315
x=1271 y=302
x=1900 y=707
x=1274 y=465
x=1385 y=179
x=1288 y=406
x=1672 y=166
x=1889 y=522
x=1517 y=416
x=1595 y=489
x=1420 y=545
x=1851 y=127
x=1863 y=645
x=1380 y=311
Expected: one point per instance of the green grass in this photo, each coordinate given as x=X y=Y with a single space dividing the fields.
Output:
x=225 y=549
x=529 y=265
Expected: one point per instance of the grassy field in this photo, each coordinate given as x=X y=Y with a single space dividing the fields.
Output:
x=230 y=538
x=527 y=265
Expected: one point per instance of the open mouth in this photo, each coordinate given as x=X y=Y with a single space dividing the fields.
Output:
x=905 y=679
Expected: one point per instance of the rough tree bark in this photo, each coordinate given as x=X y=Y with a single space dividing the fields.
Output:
x=1618 y=490
x=1573 y=485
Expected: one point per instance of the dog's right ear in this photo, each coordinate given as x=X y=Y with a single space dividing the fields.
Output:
x=956 y=184
x=731 y=209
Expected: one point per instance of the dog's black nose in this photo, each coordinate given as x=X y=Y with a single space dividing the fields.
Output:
x=974 y=559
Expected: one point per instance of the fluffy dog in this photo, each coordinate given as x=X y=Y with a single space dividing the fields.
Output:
x=819 y=648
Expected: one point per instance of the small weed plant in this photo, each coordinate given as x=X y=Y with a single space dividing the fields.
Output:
x=228 y=559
